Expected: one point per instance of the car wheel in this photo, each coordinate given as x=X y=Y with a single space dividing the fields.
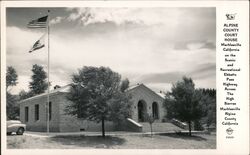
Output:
x=8 y=133
x=20 y=131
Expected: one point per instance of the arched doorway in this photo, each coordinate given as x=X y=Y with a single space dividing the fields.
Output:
x=155 y=110
x=142 y=110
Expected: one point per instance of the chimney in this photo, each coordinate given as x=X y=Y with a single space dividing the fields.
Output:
x=56 y=86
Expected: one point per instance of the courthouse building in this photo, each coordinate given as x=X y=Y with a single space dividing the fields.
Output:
x=33 y=111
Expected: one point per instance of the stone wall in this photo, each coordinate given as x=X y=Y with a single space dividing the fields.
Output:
x=70 y=123
x=143 y=93
x=62 y=122
x=41 y=124
x=67 y=123
x=93 y=126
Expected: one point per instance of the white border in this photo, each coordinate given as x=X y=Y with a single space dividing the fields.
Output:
x=238 y=146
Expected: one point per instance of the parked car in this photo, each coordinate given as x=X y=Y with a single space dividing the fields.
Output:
x=15 y=126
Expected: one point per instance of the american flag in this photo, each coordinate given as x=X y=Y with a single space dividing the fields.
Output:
x=38 y=23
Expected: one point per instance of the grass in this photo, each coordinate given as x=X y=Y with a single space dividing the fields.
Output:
x=164 y=141
x=89 y=141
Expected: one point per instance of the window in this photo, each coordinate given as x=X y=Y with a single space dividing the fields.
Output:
x=36 y=112
x=50 y=110
x=142 y=110
x=26 y=110
x=155 y=110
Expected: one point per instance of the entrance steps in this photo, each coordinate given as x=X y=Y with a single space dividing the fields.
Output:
x=160 y=127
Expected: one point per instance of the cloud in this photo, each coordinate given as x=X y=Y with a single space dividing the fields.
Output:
x=202 y=45
x=157 y=87
x=199 y=72
x=143 y=16
x=17 y=54
x=175 y=26
x=61 y=72
x=192 y=45
x=209 y=45
x=56 y=20
x=18 y=47
x=202 y=75
x=87 y=16
x=204 y=71
x=169 y=77
x=149 y=45
x=180 y=46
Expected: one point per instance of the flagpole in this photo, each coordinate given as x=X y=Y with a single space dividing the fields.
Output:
x=48 y=114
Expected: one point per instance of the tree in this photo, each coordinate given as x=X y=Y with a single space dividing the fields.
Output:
x=38 y=84
x=124 y=85
x=24 y=95
x=150 y=119
x=184 y=102
x=12 y=109
x=96 y=96
x=209 y=107
x=11 y=77
x=120 y=107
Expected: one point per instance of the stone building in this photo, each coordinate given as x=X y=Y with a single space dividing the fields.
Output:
x=34 y=114
x=146 y=101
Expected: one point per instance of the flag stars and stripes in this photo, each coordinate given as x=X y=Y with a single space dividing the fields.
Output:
x=42 y=23
x=38 y=23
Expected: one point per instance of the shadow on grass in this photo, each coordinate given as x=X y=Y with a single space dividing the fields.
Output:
x=89 y=141
x=13 y=134
x=184 y=136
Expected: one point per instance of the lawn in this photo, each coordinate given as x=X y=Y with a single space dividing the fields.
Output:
x=168 y=141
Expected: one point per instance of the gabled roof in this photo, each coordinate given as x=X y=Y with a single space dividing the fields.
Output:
x=64 y=89
x=162 y=95
x=133 y=86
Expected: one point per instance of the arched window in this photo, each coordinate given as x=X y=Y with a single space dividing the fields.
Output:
x=142 y=110
x=155 y=110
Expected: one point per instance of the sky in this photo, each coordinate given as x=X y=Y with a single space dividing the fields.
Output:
x=154 y=46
